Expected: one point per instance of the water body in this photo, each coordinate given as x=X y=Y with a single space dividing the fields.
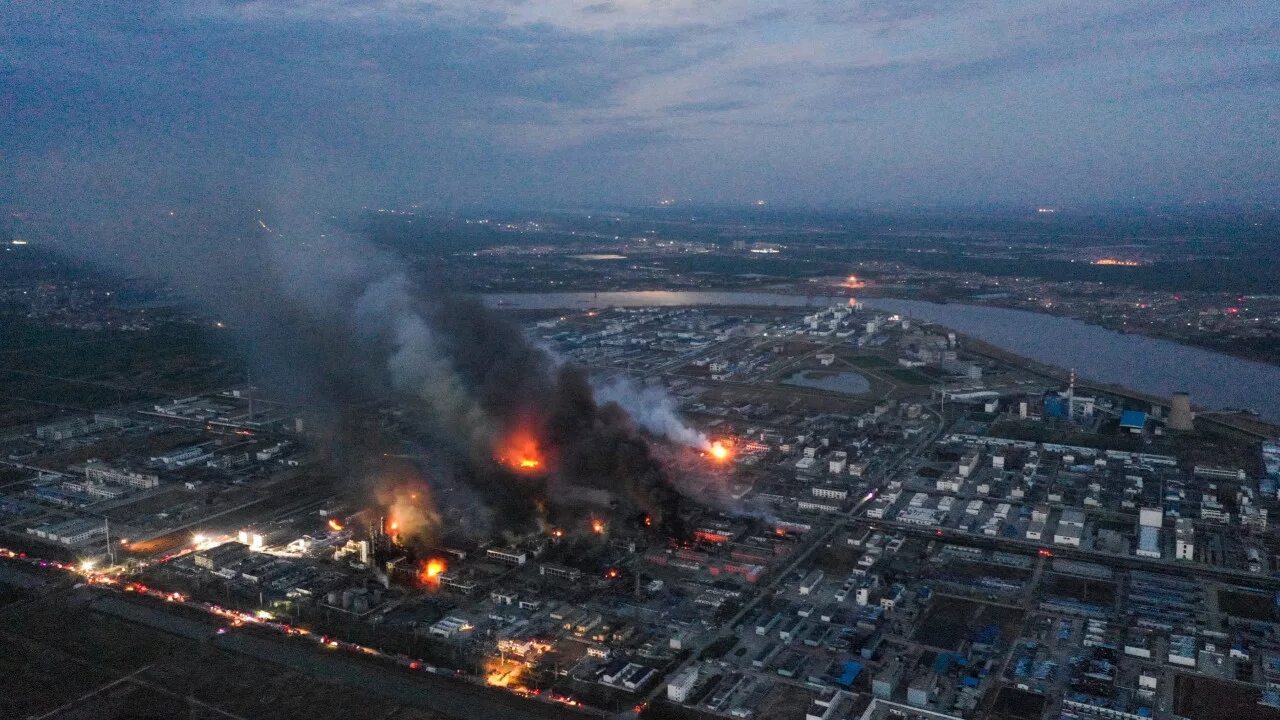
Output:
x=652 y=298
x=846 y=382
x=1158 y=367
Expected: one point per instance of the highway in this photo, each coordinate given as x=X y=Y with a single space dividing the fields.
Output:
x=415 y=684
x=1111 y=560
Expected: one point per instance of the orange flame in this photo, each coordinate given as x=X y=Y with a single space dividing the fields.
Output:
x=719 y=451
x=334 y=525
x=503 y=673
x=431 y=571
x=519 y=451
x=597 y=526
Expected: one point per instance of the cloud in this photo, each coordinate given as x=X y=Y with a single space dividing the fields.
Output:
x=705 y=106
x=455 y=100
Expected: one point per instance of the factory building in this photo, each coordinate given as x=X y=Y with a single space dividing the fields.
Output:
x=831 y=492
x=99 y=472
x=1067 y=535
x=832 y=707
x=511 y=557
x=810 y=582
x=1133 y=421
x=1150 y=521
x=1185 y=544
x=886 y=681
x=97 y=491
x=817 y=506
x=921 y=690
x=180 y=458
x=449 y=627
x=681 y=686
x=71 y=532
x=562 y=572
x=76 y=427
x=881 y=709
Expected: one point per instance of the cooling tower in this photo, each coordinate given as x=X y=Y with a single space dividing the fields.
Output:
x=1180 y=415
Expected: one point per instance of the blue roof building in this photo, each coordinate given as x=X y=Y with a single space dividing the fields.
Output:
x=852 y=669
x=1133 y=420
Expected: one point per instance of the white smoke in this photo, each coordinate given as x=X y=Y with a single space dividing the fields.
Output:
x=651 y=407
x=417 y=364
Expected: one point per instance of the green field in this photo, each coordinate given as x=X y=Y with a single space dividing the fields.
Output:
x=45 y=368
x=869 y=362
x=909 y=376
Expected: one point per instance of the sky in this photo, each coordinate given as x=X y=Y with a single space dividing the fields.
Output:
x=461 y=103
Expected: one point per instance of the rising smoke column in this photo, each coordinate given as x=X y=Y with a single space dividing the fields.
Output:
x=520 y=386
x=416 y=363
x=602 y=448
x=332 y=321
x=651 y=407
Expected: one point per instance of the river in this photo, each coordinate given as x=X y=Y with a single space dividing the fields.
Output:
x=1149 y=365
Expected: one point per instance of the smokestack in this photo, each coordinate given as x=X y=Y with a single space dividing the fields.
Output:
x=1180 y=415
x=1071 y=396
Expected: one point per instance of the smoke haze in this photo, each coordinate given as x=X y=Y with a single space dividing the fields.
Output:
x=650 y=406
x=329 y=319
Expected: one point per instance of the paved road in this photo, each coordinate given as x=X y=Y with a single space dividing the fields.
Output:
x=818 y=542
x=448 y=696
x=1129 y=562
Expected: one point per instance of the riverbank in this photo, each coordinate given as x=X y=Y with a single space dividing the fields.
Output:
x=1149 y=367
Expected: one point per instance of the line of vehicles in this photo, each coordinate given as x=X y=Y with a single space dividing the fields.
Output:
x=263 y=619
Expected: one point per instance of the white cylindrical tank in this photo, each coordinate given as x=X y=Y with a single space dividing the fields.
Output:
x=1180 y=415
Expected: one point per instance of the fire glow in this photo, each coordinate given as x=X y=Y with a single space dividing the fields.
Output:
x=334 y=525
x=503 y=673
x=519 y=451
x=431 y=571
x=719 y=451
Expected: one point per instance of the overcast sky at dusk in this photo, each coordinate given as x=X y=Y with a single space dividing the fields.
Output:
x=798 y=102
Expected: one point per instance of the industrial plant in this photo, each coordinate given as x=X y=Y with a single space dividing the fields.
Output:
x=824 y=512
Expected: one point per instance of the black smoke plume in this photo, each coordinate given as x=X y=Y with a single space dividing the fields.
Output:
x=331 y=320
x=516 y=384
